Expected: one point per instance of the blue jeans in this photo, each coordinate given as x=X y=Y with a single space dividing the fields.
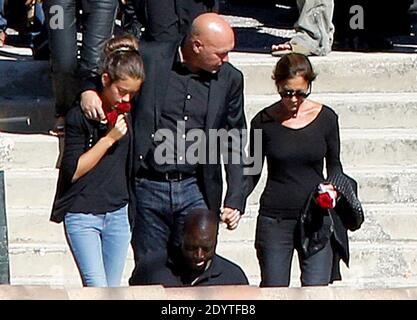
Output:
x=275 y=242
x=161 y=210
x=99 y=244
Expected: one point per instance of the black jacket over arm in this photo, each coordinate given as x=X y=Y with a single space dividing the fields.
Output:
x=346 y=215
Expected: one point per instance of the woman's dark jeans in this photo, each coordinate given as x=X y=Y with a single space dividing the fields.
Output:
x=275 y=242
x=97 y=26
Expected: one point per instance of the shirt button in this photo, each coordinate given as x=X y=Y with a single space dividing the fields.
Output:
x=185 y=118
x=183 y=136
x=152 y=135
x=188 y=96
x=181 y=157
x=140 y=157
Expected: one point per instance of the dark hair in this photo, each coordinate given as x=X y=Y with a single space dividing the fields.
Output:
x=122 y=59
x=292 y=65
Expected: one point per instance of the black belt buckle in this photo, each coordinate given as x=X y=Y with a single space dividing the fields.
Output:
x=173 y=176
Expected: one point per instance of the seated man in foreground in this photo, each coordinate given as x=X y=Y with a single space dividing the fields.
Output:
x=195 y=263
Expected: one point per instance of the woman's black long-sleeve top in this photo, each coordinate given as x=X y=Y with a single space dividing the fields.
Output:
x=295 y=159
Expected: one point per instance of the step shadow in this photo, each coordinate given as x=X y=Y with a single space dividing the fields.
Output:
x=258 y=16
x=26 y=115
x=255 y=41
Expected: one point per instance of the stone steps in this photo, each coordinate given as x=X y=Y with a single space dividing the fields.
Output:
x=51 y=264
x=377 y=184
x=359 y=147
x=387 y=184
x=383 y=262
x=356 y=110
x=383 y=223
x=380 y=264
x=30 y=151
x=25 y=78
x=338 y=72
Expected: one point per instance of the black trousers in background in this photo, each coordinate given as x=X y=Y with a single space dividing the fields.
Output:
x=376 y=15
x=169 y=20
x=97 y=27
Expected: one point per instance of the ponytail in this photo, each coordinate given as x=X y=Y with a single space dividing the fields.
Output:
x=122 y=59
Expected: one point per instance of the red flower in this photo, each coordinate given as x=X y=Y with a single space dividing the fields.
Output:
x=119 y=108
x=324 y=200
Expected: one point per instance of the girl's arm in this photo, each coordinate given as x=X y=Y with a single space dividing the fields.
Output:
x=89 y=159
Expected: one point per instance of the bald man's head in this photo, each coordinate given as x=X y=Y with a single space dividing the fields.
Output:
x=200 y=238
x=211 y=39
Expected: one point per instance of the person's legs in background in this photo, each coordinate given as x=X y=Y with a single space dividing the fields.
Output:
x=3 y=24
x=98 y=22
x=413 y=17
x=62 y=39
x=129 y=20
x=314 y=29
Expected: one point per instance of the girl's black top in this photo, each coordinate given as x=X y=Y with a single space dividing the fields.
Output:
x=105 y=188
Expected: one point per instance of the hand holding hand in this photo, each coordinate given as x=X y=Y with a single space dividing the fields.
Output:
x=231 y=217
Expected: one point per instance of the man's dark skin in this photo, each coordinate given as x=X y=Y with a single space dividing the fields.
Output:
x=200 y=240
x=195 y=262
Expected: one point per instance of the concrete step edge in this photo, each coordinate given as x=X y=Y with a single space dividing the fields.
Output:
x=359 y=244
x=346 y=134
x=239 y=58
x=29 y=137
x=367 y=169
x=349 y=98
x=401 y=208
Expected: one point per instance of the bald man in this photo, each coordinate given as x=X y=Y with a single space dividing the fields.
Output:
x=195 y=263
x=191 y=91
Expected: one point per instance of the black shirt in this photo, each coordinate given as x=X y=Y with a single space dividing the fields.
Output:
x=184 y=110
x=174 y=274
x=295 y=160
x=107 y=188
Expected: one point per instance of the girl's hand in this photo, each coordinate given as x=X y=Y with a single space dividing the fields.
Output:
x=119 y=130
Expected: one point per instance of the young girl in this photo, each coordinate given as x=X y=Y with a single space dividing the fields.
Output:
x=94 y=190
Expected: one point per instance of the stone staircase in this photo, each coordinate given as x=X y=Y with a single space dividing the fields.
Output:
x=375 y=96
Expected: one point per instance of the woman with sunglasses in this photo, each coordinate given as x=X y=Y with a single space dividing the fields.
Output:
x=298 y=134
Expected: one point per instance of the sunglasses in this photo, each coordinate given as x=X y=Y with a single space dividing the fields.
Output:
x=296 y=93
